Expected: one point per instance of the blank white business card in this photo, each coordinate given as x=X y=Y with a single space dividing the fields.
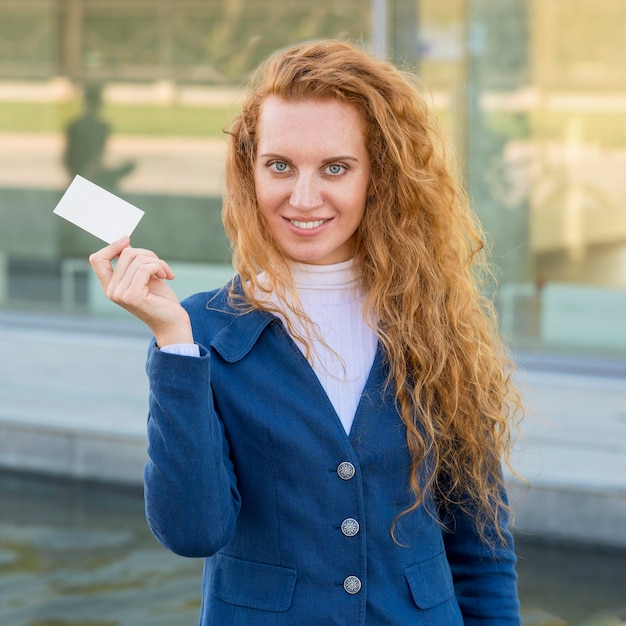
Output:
x=98 y=211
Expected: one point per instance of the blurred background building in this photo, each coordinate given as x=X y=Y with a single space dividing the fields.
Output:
x=531 y=92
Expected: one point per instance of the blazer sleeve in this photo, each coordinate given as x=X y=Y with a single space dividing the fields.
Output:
x=484 y=574
x=191 y=496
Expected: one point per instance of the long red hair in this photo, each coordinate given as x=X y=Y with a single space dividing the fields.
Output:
x=421 y=257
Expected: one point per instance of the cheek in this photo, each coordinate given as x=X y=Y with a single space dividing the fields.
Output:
x=262 y=192
x=264 y=199
x=361 y=193
x=271 y=194
x=268 y=204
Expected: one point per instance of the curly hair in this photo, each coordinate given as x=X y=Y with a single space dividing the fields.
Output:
x=422 y=261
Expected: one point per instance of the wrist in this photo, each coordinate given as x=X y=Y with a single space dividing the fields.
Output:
x=174 y=333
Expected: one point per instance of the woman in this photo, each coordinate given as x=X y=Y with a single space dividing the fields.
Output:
x=327 y=429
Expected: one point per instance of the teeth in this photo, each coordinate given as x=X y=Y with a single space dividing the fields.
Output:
x=307 y=225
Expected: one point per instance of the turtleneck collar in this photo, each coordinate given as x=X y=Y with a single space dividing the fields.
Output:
x=337 y=276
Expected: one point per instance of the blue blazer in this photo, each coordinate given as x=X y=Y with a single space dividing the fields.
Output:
x=250 y=467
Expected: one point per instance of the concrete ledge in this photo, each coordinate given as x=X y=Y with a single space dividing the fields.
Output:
x=73 y=454
x=560 y=513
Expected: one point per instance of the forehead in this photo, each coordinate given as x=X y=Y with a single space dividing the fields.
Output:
x=310 y=122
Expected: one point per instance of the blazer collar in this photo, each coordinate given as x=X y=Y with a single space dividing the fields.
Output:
x=238 y=337
x=240 y=334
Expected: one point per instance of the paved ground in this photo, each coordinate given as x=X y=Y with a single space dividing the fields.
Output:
x=73 y=403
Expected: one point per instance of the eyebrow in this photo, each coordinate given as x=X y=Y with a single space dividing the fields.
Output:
x=273 y=155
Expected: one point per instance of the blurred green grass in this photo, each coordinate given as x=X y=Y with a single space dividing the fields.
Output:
x=171 y=120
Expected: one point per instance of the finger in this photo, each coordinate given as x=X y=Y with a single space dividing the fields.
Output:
x=134 y=284
x=101 y=261
x=135 y=279
x=134 y=256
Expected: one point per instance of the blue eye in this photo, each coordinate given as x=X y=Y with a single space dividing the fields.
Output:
x=279 y=166
x=336 y=169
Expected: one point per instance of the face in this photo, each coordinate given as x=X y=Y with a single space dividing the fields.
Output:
x=312 y=173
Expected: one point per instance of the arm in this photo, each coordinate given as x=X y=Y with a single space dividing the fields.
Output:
x=191 y=496
x=485 y=579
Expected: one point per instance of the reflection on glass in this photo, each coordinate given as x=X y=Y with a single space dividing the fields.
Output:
x=531 y=93
x=86 y=142
x=160 y=81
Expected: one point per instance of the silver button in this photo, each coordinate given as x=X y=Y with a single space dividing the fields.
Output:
x=350 y=527
x=352 y=585
x=346 y=470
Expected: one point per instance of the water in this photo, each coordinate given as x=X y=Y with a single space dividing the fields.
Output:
x=81 y=555
x=75 y=554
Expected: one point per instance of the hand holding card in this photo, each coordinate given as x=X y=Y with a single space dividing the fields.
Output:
x=98 y=211
x=133 y=278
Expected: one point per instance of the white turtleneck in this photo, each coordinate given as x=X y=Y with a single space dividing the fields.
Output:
x=331 y=297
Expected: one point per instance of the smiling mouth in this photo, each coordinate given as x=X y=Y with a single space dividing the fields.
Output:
x=308 y=225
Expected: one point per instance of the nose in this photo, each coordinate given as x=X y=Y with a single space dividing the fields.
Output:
x=306 y=193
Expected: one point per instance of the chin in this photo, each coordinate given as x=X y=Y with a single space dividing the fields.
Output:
x=300 y=257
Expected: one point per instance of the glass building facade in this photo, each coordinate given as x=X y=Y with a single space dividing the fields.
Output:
x=134 y=96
